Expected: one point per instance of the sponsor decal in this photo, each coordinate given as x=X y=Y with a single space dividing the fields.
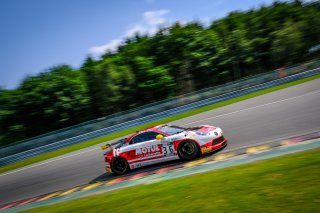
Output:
x=206 y=150
x=116 y=152
x=148 y=151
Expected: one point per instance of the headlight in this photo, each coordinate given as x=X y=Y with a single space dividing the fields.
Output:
x=219 y=130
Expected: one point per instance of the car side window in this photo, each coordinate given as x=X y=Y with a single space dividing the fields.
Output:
x=146 y=136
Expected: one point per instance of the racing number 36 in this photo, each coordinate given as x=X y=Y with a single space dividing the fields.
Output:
x=167 y=149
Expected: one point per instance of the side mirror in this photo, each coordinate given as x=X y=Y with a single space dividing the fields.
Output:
x=159 y=137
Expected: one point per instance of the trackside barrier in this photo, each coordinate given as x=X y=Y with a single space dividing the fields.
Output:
x=152 y=112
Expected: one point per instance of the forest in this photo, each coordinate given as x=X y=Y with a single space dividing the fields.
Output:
x=175 y=60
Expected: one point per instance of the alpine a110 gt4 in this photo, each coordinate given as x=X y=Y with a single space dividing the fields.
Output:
x=161 y=143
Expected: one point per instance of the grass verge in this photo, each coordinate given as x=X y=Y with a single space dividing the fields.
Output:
x=134 y=129
x=284 y=184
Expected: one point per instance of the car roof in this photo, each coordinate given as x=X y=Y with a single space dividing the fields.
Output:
x=150 y=129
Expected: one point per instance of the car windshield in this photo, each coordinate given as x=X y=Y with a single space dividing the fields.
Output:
x=171 y=130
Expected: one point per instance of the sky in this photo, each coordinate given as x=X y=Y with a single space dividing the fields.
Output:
x=38 y=34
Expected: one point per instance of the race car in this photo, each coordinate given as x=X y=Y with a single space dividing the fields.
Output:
x=161 y=143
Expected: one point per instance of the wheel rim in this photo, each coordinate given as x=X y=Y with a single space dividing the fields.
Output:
x=188 y=149
x=120 y=166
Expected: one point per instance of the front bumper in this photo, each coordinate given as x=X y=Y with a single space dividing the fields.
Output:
x=215 y=144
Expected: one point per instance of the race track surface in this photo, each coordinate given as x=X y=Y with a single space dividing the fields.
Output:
x=281 y=114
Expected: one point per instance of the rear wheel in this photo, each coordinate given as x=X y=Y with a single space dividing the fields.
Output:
x=119 y=166
x=188 y=150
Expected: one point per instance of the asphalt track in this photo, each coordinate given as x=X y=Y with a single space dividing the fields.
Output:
x=276 y=115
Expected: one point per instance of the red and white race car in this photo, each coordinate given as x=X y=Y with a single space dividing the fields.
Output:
x=162 y=143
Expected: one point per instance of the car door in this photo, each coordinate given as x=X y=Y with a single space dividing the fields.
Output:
x=146 y=148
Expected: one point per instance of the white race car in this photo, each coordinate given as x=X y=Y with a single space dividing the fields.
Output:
x=162 y=143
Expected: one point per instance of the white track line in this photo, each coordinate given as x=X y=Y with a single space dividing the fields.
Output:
x=47 y=162
x=226 y=114
x=242 y=110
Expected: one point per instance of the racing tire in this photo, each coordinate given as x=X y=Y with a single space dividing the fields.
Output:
x=119 y=166
x=188 y=150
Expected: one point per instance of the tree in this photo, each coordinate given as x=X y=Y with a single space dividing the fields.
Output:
x=153 y=83
x=52 y=100
x=287 y=46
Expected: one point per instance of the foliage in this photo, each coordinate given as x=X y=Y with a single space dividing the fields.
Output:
x=147 y=68
x=49 y=101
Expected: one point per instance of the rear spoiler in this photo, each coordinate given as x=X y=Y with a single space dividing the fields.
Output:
x=107 y=146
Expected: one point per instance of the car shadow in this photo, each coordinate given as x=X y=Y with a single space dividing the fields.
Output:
x=150 y=169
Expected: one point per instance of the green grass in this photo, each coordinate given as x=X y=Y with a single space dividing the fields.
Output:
x=134 y=129
x=285 y=184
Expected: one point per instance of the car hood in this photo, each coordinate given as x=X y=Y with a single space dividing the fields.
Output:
x=204 y=128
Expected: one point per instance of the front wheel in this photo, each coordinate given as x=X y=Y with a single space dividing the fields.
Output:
x=188 y=150
x=119 y=166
